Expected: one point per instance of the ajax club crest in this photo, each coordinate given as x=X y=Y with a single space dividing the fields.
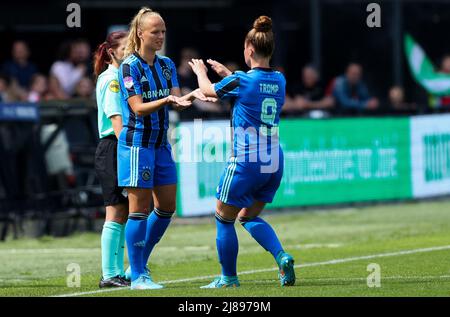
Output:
x=167 y=73
x=146 y=175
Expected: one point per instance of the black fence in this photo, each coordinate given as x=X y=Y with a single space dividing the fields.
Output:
x=28 y=190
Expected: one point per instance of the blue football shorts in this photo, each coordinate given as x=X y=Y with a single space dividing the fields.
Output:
x=142 y=167
x=242 y=183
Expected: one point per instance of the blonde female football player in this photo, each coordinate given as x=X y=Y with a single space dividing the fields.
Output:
x=149 y=85
x=107 y=59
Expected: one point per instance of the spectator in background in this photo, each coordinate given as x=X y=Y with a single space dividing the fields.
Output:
x=85 y=88
x=308 y=95
x=188 y=82
x=20 y=69
x=72 y=69
x=351 y=92
x=397 y=100
x=437 y=102
x=55 y=92
x=38 y=88
x=186 y=77
x=57 y=157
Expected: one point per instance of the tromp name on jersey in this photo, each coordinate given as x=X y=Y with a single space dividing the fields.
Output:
x=268 y=88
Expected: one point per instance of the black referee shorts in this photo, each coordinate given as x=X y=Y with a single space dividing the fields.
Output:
x=106 y=169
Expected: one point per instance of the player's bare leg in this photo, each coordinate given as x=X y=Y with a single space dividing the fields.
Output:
x=117 y=213
x=139 y=200
x=227 y=211
x=164 y=197
x=252 y=211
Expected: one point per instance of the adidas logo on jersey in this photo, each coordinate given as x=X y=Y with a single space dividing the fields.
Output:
x=143 y=79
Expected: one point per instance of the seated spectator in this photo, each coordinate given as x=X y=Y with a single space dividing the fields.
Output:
x=437 y=102
x=308 y=95
x=57 y=157
x=20 y=69
x=85 y=88
x=69 y=71
x=188 y=82
x=351 y=93
x=397 y=100
x=55 y=92
x=38 y=88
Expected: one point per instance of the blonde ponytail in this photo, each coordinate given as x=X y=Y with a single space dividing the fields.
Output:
x=133 y=41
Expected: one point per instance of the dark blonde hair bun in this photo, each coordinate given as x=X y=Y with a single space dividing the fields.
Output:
x=261 y=36
x=263 y=24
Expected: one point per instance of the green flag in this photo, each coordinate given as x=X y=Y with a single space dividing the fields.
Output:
x=423 y=70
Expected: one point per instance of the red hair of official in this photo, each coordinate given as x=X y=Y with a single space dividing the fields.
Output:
x=102 y=57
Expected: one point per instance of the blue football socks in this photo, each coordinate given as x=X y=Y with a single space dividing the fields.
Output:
x=263 y=233
x=157 y=224
x=135 y=232
x=227 y=245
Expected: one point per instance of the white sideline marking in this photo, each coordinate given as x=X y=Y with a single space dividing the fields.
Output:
x=188 y=248
x=200 y=248
x=335 y=261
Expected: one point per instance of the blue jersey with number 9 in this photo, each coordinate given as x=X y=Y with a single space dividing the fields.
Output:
x=257 y=97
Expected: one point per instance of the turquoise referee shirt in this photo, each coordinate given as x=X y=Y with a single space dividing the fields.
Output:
x=108 y=100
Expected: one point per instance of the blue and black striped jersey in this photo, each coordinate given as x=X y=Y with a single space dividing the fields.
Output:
x=152 y=82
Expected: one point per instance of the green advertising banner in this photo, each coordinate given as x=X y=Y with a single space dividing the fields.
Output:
x=201 y=152
x=430 y=155
x=326 y=162
x=344 y=160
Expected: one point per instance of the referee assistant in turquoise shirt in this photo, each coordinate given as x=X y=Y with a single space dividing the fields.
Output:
x=106 y=66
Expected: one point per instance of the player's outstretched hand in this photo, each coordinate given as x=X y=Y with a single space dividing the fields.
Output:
x=198 y=67
x=197 y=94
x=219 y=68
x=178 y=103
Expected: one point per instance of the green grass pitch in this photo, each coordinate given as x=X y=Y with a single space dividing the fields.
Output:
x=333 y=248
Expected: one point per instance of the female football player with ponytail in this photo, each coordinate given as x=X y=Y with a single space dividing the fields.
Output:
x=148 y=84
x=107 y=60
x=255 y=169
